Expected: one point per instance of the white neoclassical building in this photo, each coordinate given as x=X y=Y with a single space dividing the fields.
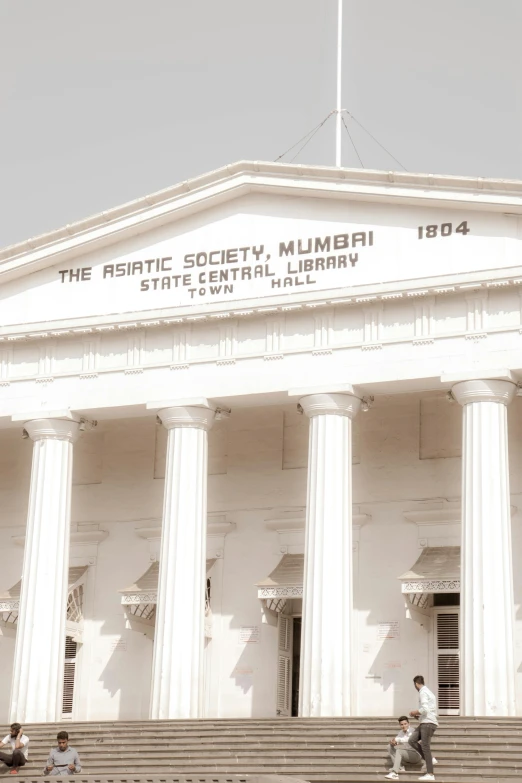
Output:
x=261 y=450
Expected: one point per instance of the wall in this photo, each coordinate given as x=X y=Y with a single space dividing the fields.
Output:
x=263 y=451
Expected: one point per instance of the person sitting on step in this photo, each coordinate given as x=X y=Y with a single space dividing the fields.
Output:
x=400 y=751
x=19 y=744
x=63 y=760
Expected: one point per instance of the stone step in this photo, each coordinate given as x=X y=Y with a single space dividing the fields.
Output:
x=289 y=755
x=251 y=726
x=338 y=750
x=173 y=778
x=364 y=745
x=354 y=774
x=385 y=732
x=246 y=764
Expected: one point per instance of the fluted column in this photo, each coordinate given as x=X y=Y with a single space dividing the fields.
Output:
x=326 y=648
x=37 y=689
x=179 y=636
x=487 y=671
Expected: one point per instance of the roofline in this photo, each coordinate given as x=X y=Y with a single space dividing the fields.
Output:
x=364 y=177
x=242 y=178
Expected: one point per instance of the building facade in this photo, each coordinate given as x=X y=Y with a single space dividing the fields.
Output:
x=261 y=450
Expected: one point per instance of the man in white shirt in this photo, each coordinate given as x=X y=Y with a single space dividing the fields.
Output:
x=420 y=740
x=19 y=744
x=400 y=751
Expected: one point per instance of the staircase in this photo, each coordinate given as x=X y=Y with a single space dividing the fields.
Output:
x=334 y=750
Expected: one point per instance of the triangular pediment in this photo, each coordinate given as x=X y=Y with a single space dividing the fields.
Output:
x=255 y=236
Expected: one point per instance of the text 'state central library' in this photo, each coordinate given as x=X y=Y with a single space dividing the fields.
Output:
x=261 y=451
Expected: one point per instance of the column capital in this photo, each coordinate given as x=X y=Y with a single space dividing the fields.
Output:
x=199 y=417
x=53 y=429
x=485 y=390
x=334 y=403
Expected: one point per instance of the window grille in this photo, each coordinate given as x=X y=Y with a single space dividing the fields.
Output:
x=75 y=605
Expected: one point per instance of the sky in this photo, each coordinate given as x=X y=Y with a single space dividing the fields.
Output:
x=106 y=101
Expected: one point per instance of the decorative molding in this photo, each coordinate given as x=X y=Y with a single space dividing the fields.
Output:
x=291 y=530
x=423 y=319
x=78 y=537
x=217 y=529
x=441 y=516
x=133 y=371
x=44 y=380
x=281 y=591
x=227 y=343
x=150 y=597
x=323 y=328
x=224 y=362
x=180 y=348
x=323 y=352
x=423 y=341
x=46 y=361
x=371 y=346
x=476 y=337
x=271 y=356
x=217 y=525
x=274 y=337
x=372 y=324
x=91 y=356
x=477 y=314
x=146 y=322
x=431 y=586
x=10 y=606
x=88 y=376
x=6 y=357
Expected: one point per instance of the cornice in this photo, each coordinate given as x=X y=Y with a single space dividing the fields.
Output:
x=94 y=326
x=102 y=372
x=77 y=537
x=216 y=526
x=446 y=516
x=246 y=176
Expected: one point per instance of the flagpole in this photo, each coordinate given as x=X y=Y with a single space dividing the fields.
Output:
x=338 y=128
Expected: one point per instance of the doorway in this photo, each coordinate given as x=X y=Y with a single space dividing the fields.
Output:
x=296 y=665
x=288 y=664
x=447 y=658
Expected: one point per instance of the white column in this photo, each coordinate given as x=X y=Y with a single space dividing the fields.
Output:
x=487 y=671
x=179 y=636
x=36 y=694
x=326 y=649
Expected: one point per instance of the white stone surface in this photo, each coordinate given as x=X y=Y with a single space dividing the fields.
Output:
x=177 y=673
x=40 y=640
x=408 y=312
x=487 y=655
x=326 y=651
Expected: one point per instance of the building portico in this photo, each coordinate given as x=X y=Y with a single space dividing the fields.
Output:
x=285 y=498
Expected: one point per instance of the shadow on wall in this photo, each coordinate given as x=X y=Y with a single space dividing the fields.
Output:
x=390 y=648
x=516 y=536
x=127 y=673
x=254 y=673
x=7 y=646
